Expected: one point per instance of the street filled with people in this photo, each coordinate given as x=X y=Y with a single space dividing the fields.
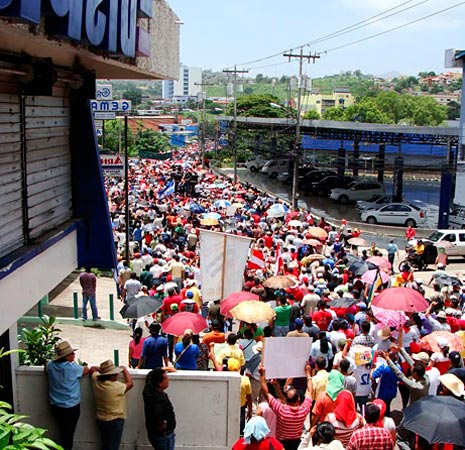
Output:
x=385 y=362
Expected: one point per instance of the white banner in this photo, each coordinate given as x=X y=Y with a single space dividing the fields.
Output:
x=285 y=357
x=223 y=258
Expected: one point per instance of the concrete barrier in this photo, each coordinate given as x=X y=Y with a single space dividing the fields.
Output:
x=207 y=407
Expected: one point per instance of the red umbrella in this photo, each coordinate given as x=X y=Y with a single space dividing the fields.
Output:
x=379 y=261
x=401 y=299
x=180 y=322
x=234 y=299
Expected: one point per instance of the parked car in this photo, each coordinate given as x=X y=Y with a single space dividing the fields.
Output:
x=373 y=203
x=274 y=167
x=313 y=177
x=457 y=218
x=395 y=214
x=360 y=190
x=453 y=241
x=323 y=187
x=288 y=177
x=255 y=163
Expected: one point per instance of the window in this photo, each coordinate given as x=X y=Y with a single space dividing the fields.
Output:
x=449 y=237
x=462 y=237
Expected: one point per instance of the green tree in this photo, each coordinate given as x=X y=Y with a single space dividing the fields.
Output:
x=151 y=141
x=114 y=136
x=134 y=94
x=333 y=114
x=453 y=110
x=258 y=106
x=366 y=111
x=312 y=115
x=425 y=111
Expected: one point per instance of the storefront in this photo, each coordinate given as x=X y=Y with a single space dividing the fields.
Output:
x=54 y=211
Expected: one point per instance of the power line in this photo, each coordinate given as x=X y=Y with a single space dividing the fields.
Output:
x=391 y=29
x=365 y=23
x=338 y=31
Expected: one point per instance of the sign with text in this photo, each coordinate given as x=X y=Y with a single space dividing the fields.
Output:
x=104 y=92
x=107 y=25
x=105 y=115
x=110 y=105
x=112 y=165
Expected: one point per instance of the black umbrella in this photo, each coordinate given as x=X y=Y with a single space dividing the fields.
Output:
x=438 y=419
x=448 y=280
x=342 y=302
x=140 y=307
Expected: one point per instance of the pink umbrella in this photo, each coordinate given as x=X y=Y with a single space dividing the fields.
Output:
x=401 y=299
x=379 y=261
x=234 y=299
x=369 y=276
x=388 y=317
x=181 y=321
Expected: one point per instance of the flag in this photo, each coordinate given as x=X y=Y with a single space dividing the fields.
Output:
x=256 y=260
x=377 y=282
x=279 y=260
x=167 y=190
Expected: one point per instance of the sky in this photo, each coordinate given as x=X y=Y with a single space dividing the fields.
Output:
x=219 y=34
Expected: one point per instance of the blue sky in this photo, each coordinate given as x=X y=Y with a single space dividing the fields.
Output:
x=218 y=34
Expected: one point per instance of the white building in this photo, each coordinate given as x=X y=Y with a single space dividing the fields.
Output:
x=186 y=87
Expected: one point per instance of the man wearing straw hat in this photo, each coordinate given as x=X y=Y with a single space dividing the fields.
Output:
x=110 y=402
x=64 y=377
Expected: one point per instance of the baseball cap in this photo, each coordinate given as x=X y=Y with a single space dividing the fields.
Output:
x=299 y=321
x=455 y=357
x=421 y=357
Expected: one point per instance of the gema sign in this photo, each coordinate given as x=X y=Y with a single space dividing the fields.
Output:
x=109 y=25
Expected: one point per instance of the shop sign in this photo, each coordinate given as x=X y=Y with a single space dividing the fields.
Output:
x=108 y=25
x=114 y=105
x=112 y=164
x=104 y=92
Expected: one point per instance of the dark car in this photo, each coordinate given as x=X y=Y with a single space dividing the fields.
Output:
x=288 y=177
x=322 y=187
x=305 y=184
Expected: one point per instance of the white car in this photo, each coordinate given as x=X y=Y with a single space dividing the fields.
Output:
x=359 y=190
x=457 y=218
x=255 y=164
x=395 y=214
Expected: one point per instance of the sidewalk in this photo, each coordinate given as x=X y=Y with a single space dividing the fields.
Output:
x=95 y=341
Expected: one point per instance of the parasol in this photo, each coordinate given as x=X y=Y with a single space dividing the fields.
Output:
x=357 y=241
x=317 y=232
x=181 y=321
x=140 y=307
x=234 y=299
x=253 y=311
x=380 y=262
x=279 y=282
x=401 y=299
x=430 y=341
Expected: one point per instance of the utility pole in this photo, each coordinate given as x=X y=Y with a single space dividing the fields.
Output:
x=235 y=72
x=295 y=178
x=202 y=127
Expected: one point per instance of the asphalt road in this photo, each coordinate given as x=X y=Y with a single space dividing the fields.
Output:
x=423 y=194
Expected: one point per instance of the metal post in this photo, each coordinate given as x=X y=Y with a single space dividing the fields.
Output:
x=235 y=125
x=39 y=308
x=356 y=158
x=116 y=356
x=112 y=308
x=126 y=184
x=75 y=304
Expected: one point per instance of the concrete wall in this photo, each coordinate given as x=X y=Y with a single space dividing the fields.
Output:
x=207 y=406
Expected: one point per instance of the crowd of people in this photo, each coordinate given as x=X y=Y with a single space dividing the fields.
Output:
x=361 y=358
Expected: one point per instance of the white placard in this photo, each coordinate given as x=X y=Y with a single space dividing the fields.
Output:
x=285 y=357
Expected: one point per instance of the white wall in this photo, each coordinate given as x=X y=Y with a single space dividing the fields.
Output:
x=25 y=286
x=207 y=407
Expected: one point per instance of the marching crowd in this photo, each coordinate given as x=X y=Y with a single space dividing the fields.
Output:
x=322 y=282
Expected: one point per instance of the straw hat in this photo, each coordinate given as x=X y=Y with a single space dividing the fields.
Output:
x=384 y=333
x=108 y=368
x=258 y=347
x=453 y=384
x=422 y=357
x=63 y=349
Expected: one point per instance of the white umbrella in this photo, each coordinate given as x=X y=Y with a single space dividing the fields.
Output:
x=277 y=210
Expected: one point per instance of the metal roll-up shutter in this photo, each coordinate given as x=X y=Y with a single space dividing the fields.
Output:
x=11 y=188
x=48 y=163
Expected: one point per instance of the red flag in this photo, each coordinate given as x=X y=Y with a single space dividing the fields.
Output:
x=256 y=260
x=279 y=261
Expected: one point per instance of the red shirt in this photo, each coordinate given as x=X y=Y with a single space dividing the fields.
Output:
x=265 y=444
x=371 y=437
x=322 y=319
x=167 y=302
